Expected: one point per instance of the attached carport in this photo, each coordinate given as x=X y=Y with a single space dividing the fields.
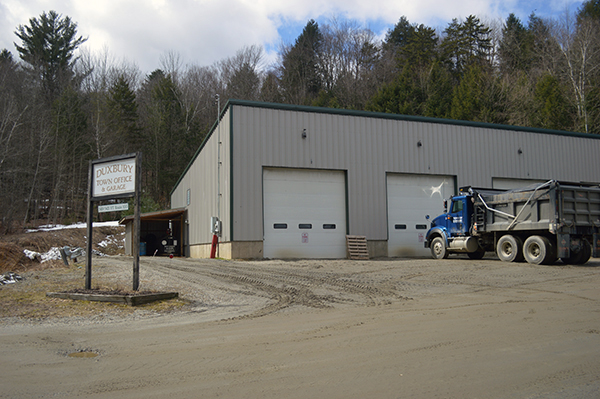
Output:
x=162 y=233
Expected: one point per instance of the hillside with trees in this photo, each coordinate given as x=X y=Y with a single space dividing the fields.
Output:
x=60 y=106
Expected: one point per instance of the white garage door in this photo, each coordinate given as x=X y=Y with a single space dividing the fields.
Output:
x=304 y=213
x=413 y=201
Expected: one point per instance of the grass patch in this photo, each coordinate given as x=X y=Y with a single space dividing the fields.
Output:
x=28 y=300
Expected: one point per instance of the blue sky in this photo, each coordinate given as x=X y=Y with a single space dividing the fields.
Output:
x=203 y=32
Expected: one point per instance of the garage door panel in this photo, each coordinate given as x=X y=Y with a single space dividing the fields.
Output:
x=413 y=201
x=308 y=203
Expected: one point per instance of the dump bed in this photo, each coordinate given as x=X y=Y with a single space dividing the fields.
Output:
x=554 y=206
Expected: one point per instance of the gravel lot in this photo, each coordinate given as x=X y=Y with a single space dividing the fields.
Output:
x=416 y=328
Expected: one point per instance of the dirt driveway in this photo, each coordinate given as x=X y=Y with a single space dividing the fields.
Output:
x=421 y=328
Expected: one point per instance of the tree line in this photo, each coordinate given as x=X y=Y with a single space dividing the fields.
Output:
x=61 y=106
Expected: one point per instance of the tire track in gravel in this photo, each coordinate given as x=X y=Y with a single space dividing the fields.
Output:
x=285 y=287
x=259 y=288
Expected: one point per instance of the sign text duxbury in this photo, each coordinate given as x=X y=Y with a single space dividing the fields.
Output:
x=114 y=178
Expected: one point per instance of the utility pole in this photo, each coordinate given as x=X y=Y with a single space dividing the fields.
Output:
x=216 y=224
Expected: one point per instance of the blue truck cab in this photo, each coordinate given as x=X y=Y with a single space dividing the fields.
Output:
x=451 y=231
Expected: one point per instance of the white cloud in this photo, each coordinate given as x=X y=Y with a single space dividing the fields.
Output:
x=205 y=31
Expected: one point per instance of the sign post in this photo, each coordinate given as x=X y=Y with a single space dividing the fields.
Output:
x=112 y=178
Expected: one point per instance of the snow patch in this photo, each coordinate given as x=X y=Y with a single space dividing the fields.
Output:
x=50 y=227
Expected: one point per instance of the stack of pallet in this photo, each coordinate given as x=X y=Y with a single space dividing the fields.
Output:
x=357 y=247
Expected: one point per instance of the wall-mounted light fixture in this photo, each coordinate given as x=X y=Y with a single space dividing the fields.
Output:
x=303 y=133
x=419 y=144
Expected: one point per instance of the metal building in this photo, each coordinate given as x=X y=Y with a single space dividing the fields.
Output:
x=292 y=181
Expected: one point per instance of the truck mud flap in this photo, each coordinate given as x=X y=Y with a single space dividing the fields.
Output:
x=596 y=245
x=564 y=243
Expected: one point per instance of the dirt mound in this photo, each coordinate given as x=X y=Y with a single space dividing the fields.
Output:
x=12 y=258
x=108 y=240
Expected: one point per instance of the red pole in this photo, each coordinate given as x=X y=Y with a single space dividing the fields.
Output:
x=213 y=249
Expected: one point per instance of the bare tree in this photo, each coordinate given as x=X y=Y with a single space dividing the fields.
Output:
x=198 y=87
x=579 y=45
x=241 y=74
x=348 y=57
x=172 y=64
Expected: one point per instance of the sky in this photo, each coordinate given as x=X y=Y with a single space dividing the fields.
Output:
x=202 y=32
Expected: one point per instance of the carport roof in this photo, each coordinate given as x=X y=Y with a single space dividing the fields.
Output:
x=165 y=215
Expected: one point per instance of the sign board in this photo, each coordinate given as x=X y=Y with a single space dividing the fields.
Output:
x=113 y=207
x=113 y=178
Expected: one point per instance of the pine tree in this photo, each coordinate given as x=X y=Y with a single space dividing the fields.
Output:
x=301 y=79
x=516 y=46
x=48 y=46
x=123 y=115
x=551 y=105
x=465 y=44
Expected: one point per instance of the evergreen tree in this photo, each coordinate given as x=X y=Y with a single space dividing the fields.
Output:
x=465 y=44
x=438 y=93
x=123 y=115
x=164 y=146
x=48 y=46
x=270 y=91
x=477 y=98
x=516 y=46
x=551 y=105
x=71 y=153
x=403 y=96
x=415 y=49
x=301 y=79
x=590 y=9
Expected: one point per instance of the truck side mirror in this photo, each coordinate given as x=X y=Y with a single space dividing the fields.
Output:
x=445 y=206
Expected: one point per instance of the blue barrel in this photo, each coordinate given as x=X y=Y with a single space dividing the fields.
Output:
x=142 y=249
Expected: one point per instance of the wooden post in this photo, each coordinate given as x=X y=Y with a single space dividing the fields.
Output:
x=90 y=221
x=136 y=221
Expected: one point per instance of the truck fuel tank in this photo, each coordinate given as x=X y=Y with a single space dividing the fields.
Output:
x=464 y=244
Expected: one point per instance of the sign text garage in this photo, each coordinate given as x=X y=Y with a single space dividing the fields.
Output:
x=114 y=178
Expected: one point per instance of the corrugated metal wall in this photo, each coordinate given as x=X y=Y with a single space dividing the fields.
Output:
x=201 y=180
x=368 y=147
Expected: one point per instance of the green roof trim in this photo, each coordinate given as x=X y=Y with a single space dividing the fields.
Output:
x=377 y=115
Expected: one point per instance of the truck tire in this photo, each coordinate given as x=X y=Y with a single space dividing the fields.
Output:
x=587 y=252
x=479 y=254
x=538 y=250
x=438 y=248
x=510 y=248
x=580 y=257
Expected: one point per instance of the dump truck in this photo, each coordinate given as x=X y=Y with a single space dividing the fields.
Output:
x=540 y=224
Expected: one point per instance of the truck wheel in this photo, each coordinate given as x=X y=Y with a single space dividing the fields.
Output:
x=438 y=248
x=479 y=254
x=574 y=258
x=587 y=252
x=538 y=250
x=581 y=257
x=510 y=248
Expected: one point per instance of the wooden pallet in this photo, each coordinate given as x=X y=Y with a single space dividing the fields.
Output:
x=357 y=247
